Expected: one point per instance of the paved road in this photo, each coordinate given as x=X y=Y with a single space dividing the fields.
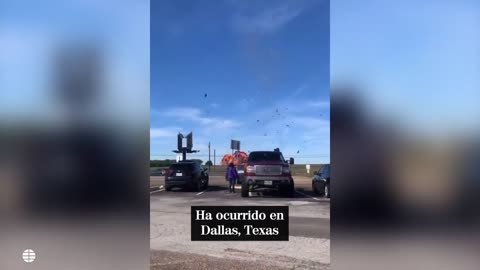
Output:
x=308 y=247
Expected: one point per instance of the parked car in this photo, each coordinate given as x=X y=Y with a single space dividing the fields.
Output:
x=158 y=172
x=205 y=172
x=186 y=174
x=321 y=181
x=267 y=169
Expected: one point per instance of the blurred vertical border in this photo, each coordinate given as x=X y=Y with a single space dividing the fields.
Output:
x=74 y=133
x=405 y=136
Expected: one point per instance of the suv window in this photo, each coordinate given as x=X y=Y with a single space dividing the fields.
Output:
x=265 y=156
x=325 y=171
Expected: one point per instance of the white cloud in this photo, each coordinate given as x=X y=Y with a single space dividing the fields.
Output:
x=164 y=132
x=183 y=112
x=196 y=115
x=300 y=90
x=319 y=104
x=268 y=20
x=311 y=122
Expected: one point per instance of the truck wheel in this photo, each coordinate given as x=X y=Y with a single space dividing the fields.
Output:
x=245 y=189
x=290 y=191
x=199 y=185
x=327 y=191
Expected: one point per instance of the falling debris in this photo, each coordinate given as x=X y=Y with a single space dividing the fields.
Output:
x=288 y=125
x=276 y=110
x=298 y=151
x=258 y=120
x=205 y=95
x=265 y=134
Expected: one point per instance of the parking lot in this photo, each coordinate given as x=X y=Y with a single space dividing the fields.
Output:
x=171 y=248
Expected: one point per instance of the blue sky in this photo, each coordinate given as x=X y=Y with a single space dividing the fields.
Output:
x=263 y=66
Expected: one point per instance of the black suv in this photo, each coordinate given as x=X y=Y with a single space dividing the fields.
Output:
x=267 y=169
x=187 y=174
x=321 y=181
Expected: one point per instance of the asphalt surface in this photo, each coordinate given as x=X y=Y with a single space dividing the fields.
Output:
x=171 y=248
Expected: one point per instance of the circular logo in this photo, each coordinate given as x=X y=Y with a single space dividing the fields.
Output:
x=29 y=255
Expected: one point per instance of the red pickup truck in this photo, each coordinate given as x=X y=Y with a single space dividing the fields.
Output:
x=267 y=169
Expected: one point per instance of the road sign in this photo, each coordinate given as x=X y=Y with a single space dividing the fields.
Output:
x=180 y=141
x=235 y=145
x=189 y=141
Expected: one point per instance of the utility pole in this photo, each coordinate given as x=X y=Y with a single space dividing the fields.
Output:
x=214 y=159
x=209 y=156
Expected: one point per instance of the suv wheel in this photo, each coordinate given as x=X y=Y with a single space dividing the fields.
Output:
x=245 y=189
x=326 y=191
x=199 y=185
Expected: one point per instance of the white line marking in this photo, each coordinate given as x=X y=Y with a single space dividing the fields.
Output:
x=307 y=195
x=157 y=191
x=201 y=192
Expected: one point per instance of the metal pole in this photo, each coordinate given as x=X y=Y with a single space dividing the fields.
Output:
x=209 y=151
x=214 y=159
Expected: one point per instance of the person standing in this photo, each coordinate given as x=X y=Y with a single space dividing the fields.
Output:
x=231 y=176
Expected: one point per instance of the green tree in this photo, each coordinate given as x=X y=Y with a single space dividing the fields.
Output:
x=209 y=163
x=161 y=163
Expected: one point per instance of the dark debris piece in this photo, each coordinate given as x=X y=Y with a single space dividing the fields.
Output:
x=205 y=95
x=298 y=151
